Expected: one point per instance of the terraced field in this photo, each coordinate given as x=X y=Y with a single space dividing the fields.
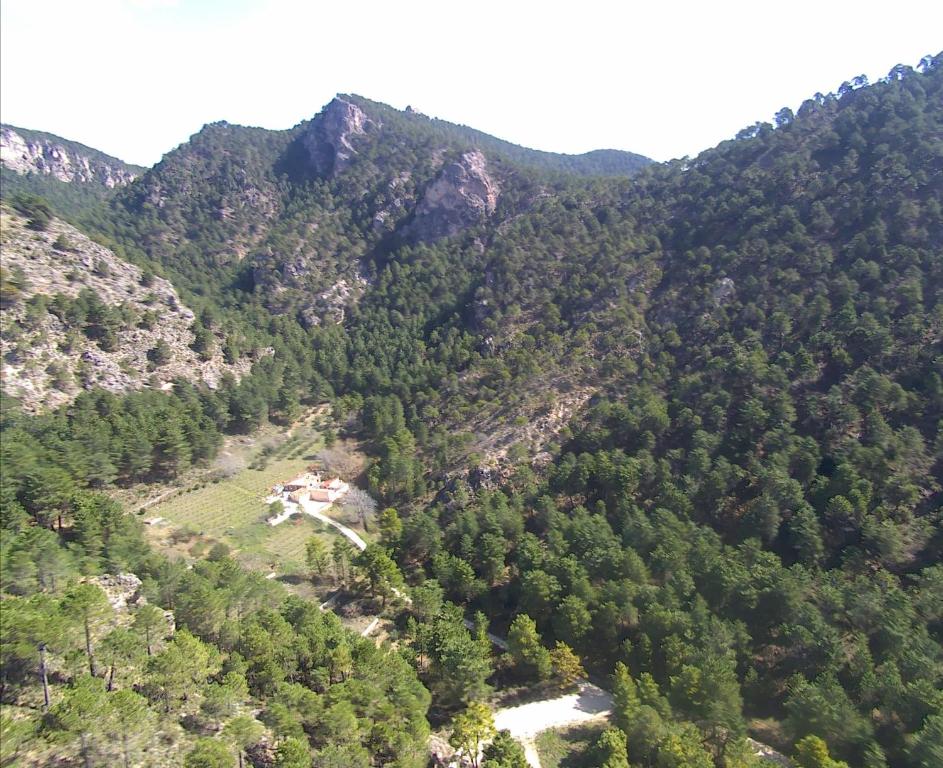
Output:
x=232 y=510
x=223 y=507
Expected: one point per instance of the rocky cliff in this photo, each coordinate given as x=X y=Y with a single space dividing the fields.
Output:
x=75 y=316
x=463 y=194
x=330 y=137
x=32 y=152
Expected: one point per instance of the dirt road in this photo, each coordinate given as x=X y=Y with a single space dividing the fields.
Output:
x=590 y=703
x=314 y=508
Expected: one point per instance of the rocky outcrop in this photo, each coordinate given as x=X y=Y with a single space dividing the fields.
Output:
x=50 y=356
x=124 y=594
x=462 y=195
x=123 y=590
x=24 y=152
x=330 y=138
x=399 y=197
x=723 y=291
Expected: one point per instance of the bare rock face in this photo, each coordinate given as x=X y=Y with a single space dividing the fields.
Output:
x=723 y=291
x=47 y=360
x=441 y=752
x=329 y=141
x=462 y=195
x=24 y=155
x=123 y=591
x=399 y=198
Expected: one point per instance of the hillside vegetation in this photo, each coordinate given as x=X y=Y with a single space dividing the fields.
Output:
x=685 y=424
x=77 y=317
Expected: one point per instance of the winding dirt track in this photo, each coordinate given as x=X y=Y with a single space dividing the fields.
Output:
x=590 y=703
x=314 y=508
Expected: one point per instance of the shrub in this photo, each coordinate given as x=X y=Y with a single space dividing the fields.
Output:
x=63 y=243
x=160 y=353
x=36 y=210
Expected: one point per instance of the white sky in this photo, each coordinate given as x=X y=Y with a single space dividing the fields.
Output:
x=135 y=78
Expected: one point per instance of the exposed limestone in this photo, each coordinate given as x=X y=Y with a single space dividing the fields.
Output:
x=329 y=140
x=400 y=197
x=767 y=754
x=551 y=407
x=46 y=363
x=723 y=291
x=441 y=753
x=331 y=304
x=24 y=155
x=123 y=591
x=462 y=195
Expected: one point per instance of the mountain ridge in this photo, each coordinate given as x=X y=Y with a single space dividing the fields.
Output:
x=686 y=426
x=71 y=176
x=603 y=161
x=24 y=151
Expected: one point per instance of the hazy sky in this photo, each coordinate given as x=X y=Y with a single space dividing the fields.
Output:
x=135 y=78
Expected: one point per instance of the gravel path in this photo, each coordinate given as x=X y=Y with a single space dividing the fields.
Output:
x=157 y=499
x=590 y=703
x=370 y=627
x=315 y=509
x=500 y=642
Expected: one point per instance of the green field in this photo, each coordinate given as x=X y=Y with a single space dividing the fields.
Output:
x=571 y=748
x=220 y=508
x=233 y=510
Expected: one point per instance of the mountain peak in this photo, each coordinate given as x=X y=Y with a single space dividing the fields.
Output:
x=329 y=140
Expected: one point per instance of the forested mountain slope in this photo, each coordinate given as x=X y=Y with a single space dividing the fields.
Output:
x=71 y=175
x=77 y=317
x=300 y=217
x=728 y=367
x=750 y=513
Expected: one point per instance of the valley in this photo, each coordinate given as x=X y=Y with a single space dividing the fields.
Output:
x=674 y=428
x=227 y=506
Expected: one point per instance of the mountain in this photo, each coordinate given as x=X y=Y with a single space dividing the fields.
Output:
x=302 y=215
x=36 y=153
x=70 y=175
x=683 y=423
x=600 y=162
x=251 y=207
x=78 y=317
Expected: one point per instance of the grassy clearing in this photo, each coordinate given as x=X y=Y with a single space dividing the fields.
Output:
x=568 y=748
x=225 y=507
x=211 y=508
x=232 y=510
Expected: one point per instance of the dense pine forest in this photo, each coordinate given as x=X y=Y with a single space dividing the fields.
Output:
x=734 y=524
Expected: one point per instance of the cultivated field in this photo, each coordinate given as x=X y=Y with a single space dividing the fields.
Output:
x=232 y=510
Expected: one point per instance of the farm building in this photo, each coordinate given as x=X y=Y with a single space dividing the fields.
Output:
x=329 y=490
x=310 y=485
